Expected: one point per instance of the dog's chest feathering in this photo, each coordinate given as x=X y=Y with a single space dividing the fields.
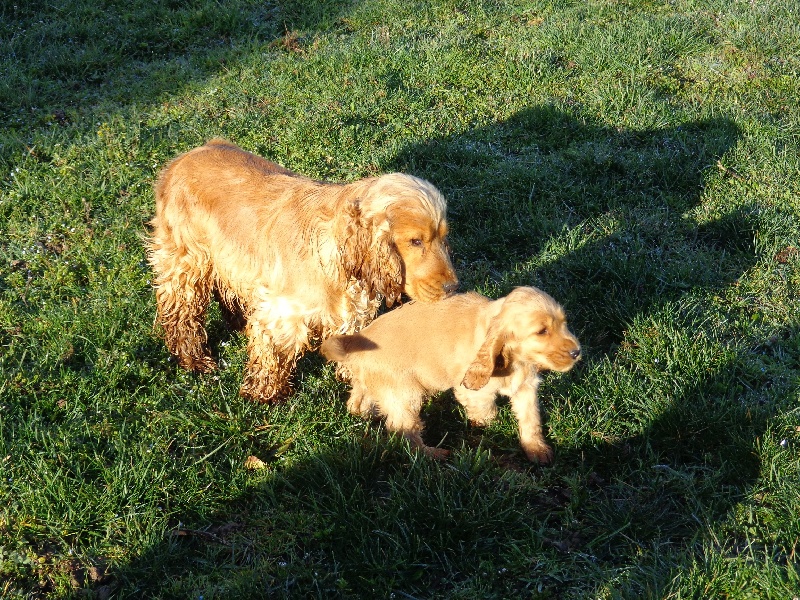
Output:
x=359 y=307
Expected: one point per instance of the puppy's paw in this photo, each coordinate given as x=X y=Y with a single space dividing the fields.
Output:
x=435 y=453
x=538 y=451
x=360 y=406
x=477 y=376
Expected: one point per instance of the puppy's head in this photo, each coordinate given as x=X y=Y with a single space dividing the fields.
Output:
x=414 y=224
x=537 y=331
x=531 y=328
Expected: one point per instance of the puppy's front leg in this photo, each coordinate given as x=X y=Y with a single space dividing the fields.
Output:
x=525 y=405
x=480 y=405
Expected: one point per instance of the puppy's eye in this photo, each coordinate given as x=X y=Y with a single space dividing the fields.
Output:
x=543 y=331
x=416 y=242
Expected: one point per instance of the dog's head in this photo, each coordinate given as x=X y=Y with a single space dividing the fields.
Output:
x=408 y=216
x=530 y=328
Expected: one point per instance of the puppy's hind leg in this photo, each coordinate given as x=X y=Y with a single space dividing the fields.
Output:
x=359 y=402
x=183 y=284
x=402 y=416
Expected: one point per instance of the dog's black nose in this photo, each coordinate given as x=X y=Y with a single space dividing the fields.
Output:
x=449 y=288
x=575 y=353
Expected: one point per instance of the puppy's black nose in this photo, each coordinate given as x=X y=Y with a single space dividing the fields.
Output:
x=449 y=288
x=575 y=353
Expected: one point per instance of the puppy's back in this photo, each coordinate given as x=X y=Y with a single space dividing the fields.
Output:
x=433 y=341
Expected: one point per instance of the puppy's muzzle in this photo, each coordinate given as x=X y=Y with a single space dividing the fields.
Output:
x=575 y=354
x=450 y=288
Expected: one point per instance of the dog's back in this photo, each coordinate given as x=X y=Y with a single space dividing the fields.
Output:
x=216 y=159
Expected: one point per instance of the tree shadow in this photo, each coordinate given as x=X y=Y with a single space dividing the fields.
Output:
x=63 y=60
x=636 y=500
x=600 y=217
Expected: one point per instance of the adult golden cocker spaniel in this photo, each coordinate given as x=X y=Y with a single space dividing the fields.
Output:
x=290 y=259
x=478 y=347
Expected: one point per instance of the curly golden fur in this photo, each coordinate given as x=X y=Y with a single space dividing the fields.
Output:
x=290 y=259
x=478 y=347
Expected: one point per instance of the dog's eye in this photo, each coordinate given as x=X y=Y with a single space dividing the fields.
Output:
x=543 y=331
x=416 y=242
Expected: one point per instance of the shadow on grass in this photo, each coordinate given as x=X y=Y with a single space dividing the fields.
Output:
x=599 y=217
x=622 y=513
x=364 y=519
x=66 y=58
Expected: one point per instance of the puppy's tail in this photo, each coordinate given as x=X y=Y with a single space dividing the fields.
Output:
x=338 y=347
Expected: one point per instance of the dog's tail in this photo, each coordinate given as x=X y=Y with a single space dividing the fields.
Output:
x=338 y=347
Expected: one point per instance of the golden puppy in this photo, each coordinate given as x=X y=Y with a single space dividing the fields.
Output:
x=479 y=347
x=291 y=259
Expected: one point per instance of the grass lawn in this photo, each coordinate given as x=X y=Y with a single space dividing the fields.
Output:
x=638 y=160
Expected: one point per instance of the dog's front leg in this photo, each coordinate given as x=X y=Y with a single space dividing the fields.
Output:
x=267 y=376
x=525 y=405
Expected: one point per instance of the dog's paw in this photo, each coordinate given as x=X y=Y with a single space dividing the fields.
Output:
x=204 y=364
x=264 y=392
x=538 y=451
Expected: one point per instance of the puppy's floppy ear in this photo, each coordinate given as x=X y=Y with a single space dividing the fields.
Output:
x=483 y=366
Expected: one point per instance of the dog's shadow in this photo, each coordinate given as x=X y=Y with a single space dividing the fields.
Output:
x=607 y=220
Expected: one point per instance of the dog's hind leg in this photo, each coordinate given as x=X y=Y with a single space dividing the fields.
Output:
x=231 y=309
x=183 y=284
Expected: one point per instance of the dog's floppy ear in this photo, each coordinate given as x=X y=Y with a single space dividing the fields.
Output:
x=370 y=255
x=387 y=269
x=483 y=366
